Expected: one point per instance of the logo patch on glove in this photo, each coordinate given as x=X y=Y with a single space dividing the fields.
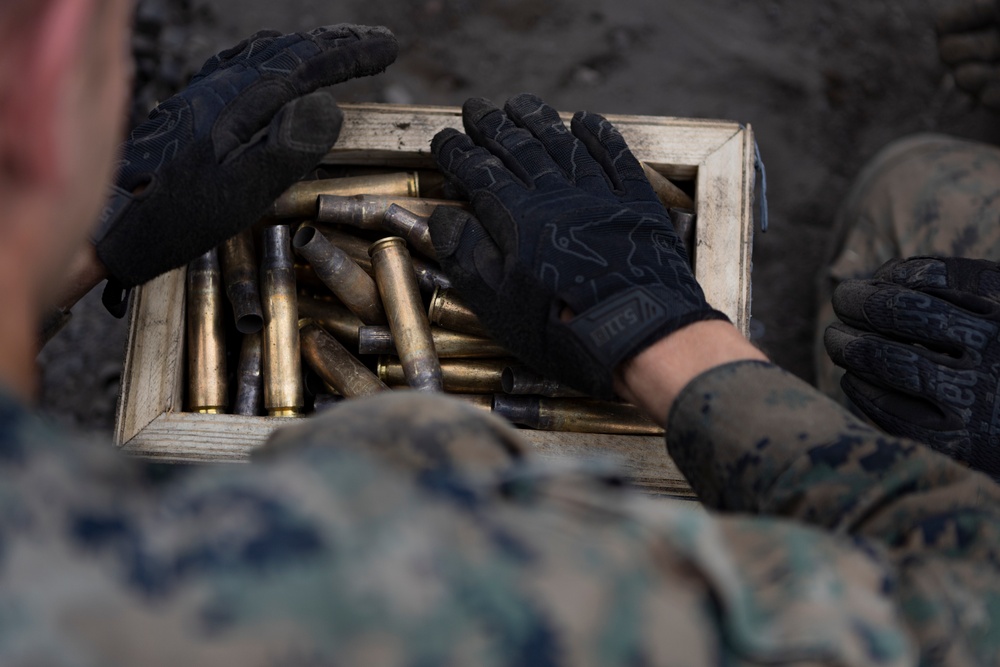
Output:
x=629 y=313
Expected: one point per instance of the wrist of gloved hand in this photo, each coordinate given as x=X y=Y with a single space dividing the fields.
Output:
x=921 y=346
x=210 y=160
x=563 y=219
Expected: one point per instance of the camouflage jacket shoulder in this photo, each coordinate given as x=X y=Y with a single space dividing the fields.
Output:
x=411 y=530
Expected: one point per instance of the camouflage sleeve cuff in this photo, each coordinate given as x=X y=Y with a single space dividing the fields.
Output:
x=751 y=437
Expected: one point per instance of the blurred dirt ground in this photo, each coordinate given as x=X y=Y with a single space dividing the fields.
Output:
x=824 y=84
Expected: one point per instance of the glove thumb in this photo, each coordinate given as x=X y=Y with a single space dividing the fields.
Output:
x=466 y=250
x=301 y=133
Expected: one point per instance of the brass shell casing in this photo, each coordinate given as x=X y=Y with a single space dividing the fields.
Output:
x=338 y=367
x=300 y=200
x=448 y=344
x=341 y=275
x=449 y=311
x=519 y=380
x=208 y=390
x=685 y=221
x=240 y=274
x=283 y=396
x=398 y=221
x=429 y=275
x=460 y=376
x=576 y=415
x=250 y=376
x=482 y=401
x=368 y=211
x=333 y=317
x=355 y=246
x=397 y=285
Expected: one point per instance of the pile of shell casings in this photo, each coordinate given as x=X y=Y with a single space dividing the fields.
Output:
x=335 y=294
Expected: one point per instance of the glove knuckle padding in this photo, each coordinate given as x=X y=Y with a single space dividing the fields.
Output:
x=928 y=338
x=618 y=264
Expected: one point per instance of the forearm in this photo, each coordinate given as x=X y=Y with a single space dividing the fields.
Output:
x=654 y=378
x=751 y=438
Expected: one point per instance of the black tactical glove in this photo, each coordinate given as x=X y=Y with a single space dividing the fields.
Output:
x=209 y=160
x=921 y=345
x=564 y=219
x=969 y=44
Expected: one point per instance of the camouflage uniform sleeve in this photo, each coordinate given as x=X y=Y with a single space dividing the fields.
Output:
x=752 y=438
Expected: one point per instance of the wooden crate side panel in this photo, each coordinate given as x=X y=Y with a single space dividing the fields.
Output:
x=193 y=438
x=151 y=378
x=374 y=134
x=722 y=254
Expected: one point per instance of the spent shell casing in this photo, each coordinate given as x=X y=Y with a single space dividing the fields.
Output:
x=397 y=284
x=208 y=390
x=332 y=316
x=240 y=274
x=368 y=211
x=669 y=194
x=355 y=246
x=577 y=415
x=520 y=380
x=449 y=344
x=482 y=401
x=400 y=222
x=460 y=376
x=429 y=274
x=283 y=396
x=340 y=274
x=301 y=199
x=339 y=368
x=250 y=376
x=684 y=224
x=449 y=311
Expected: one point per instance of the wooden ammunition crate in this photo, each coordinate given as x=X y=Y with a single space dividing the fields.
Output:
x=717 y=156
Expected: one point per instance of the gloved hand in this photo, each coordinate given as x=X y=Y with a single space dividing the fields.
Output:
x=921 y=345
x=564 y=220
x=969 y=44
x=210 y=159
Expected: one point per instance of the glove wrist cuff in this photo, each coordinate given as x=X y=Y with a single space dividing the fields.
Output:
x=621 y=327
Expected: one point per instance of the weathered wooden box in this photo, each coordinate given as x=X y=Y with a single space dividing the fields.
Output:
x=717 y=156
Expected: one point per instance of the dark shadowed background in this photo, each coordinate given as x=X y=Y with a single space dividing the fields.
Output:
x=824 y=84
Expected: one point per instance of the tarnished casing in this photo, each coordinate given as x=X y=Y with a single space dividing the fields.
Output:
x=300 y=200
x=411 y=331
x=208 y=391
x=283 y=395
x=448 y=344
x=576 y=415
x=341 y=275
x=449 y=311
x=250 y=376
x=460 y=376
x=398 y=221
x=240 y=274
x=523 y=381
x=332 y=362
x=333 y=316
x=368 y=211
x=429 y=274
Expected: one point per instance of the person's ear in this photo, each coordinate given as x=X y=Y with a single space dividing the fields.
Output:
x=37 y=66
